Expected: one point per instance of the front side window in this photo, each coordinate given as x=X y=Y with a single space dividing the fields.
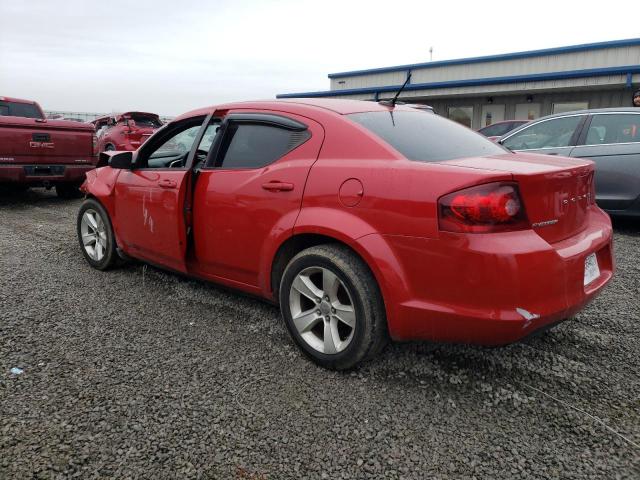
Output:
x=426 y=138
x=552 y=133
x=246 y=145
x=171 y=150
x=607 y=129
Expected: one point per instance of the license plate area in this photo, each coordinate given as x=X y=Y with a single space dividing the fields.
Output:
x=43 y=170
x=591 y=269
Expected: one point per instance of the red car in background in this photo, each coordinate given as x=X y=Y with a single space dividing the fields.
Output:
x=364 y=221
x=125 y=131
x=496 y=130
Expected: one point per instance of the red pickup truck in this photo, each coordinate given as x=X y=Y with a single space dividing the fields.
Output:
x=35 y=151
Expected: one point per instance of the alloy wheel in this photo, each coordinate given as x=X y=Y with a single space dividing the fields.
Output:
x=322 y=310
x=94 y=235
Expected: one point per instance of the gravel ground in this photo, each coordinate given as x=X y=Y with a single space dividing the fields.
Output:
x=136 y=373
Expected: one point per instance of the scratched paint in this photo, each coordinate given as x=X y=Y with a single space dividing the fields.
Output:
x=148 y=219
x=527 y=315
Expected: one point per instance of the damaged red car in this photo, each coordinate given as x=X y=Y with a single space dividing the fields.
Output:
x=125 y=131
x=364 y=221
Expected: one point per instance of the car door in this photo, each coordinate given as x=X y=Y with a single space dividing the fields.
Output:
x=250 y=192
x=150 y=198
x=551 y=136
x=612 y=141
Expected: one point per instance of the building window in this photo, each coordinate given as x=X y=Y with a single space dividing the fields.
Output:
x=462 y=115
x=569 y=106
x=527 y=111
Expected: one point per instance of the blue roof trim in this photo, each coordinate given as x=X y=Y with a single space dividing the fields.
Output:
x=490 y=58
x=474 y=82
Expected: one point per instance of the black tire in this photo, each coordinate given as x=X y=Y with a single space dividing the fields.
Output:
x=68 y=190
x=110 y=257
x=370 y=334
x=109 y=148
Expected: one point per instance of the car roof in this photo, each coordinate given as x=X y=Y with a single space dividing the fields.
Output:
x=505 y=121
x=592 y=110
x=16 y=100
x=135 y=112
x=572 y=113
x=337 y=106
x=118 y=116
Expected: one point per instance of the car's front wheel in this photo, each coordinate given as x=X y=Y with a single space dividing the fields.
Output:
x=332 y=307
x=95 y=235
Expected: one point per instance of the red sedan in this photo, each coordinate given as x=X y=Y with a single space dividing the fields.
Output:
x=364 y=221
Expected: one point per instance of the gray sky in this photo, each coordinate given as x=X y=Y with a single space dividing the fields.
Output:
x=169 y=57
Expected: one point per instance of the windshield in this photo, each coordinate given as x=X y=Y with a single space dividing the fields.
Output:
x=425 y=137
x=15 y=109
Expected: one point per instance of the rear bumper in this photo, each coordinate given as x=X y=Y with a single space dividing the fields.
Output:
x=43 y=174
x=493 y=289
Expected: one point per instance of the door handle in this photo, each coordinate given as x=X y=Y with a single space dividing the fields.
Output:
x=278 y=186
x=167 y=183
x=552 y=153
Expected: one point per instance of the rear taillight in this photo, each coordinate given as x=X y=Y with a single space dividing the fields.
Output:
x=493 y=207
x=94 y=141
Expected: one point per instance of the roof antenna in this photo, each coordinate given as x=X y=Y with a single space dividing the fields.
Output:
x=392 y=103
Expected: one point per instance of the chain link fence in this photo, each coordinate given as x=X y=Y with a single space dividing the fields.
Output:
x=83 y=116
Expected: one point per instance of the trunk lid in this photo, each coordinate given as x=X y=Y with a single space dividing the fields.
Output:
x=556 y=191
x=28 y=141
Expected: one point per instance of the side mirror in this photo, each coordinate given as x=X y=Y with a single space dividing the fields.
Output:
x=123 y=160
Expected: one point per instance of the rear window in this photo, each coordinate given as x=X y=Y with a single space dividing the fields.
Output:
x=426 y=138
x=15 y=109
x=496 y=129
x=146 y=121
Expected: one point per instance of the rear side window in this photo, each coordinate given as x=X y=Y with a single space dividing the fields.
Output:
x=426 y=138
x=255 y=146
x=14 y=109
x=606 y=129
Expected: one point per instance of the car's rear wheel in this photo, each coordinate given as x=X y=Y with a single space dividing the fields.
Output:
x=332 y=307
x=109 y=148
x=68 y=190
x=95 y=235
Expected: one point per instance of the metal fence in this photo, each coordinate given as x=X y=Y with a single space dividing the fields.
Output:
x=84 y=116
